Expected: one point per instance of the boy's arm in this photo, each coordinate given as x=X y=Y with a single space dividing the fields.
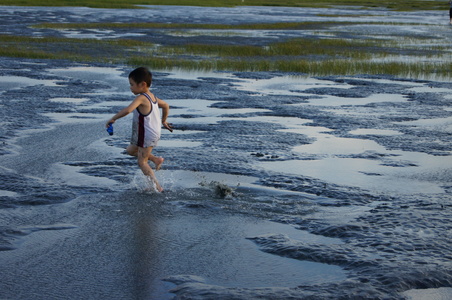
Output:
x=165 y=112
x=126 y=110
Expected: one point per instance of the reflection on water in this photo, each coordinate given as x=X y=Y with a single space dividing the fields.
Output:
x=287 y=85
x=14 y=82
x=363 y=173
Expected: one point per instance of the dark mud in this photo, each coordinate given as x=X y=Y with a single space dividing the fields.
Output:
x=279 y=186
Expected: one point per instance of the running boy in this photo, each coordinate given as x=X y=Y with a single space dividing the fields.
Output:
x=146 y=124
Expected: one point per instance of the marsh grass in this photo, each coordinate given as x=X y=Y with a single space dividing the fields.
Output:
x=389 y=4
x=310 y=56
x=310 y=67
x=63 y=48
x=300 y=47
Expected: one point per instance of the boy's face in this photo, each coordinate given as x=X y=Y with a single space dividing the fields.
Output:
x=137 y=88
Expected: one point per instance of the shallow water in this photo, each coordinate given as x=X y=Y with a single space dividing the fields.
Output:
x=259 y=202
x=277 y=186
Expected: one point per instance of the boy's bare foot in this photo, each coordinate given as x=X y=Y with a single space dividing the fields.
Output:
x=158 y=163
x=159 y=188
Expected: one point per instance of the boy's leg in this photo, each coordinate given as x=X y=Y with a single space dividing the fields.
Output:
x=158 y=161
x=132 y=150
x=143 y=157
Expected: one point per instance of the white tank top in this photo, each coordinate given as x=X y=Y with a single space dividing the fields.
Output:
x=146 y=129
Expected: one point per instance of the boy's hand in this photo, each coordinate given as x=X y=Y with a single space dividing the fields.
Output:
x=111 y=121
x=168 y=126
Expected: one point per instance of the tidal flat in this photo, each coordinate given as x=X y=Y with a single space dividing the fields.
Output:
x=279 y=185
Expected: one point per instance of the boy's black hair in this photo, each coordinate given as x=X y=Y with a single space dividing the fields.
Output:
x=141 y=74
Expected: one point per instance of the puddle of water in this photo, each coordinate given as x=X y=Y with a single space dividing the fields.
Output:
x=331 y=145
x=340 y=101
x=417 y=175
x=185 y=132
x=288 y=85
x=71 y=175
x=367 y=131
x=430 y=89
x=362 y=173
x=97 y=34
x=109 y=104
x=225 y=33
x=204 y=109
x=117 y=90
x=439 y=124
x=443 y=293
x=307 y=130
x=194 y=105
x=290 y=122
x=14 y=82
x=69 y=100
x=196 y=74
x=111 y=76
